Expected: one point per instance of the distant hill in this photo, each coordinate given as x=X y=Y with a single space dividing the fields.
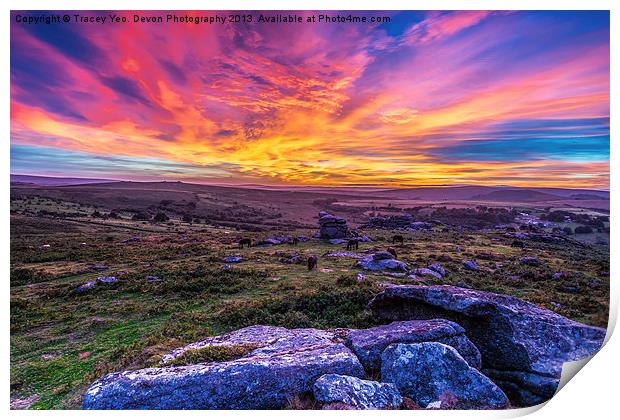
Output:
x=570 y=193
x=435 y=193
x=517 y=196
x=585 y=196
x=295 y=206
x=500 y=193
x=50 y=181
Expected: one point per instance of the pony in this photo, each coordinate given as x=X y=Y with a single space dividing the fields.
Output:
x=353 y=243
x=312 y=262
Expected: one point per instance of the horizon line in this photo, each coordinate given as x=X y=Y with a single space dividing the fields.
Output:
x=248 y=185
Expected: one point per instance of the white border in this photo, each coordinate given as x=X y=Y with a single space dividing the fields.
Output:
x=592 y=395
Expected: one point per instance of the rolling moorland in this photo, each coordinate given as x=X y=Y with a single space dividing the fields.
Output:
x=179 y=275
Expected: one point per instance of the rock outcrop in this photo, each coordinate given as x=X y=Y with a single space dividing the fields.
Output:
x=370 y=343
x=381 y=261
x=107 y=279
x=292 y=259
x=343 y=254
x=426 y=272
x=85 y=287
x=286 y=363
x=332 y=227
x=273 y=240
x=259 y=382
x=521 y=343
x=470 y=265
x=433 y=372
x=438 y=268
x=262 y=340
x=358 y=393
x=516 y=349
x=279 y=363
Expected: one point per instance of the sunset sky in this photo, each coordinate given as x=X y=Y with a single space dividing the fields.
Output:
x=492 y=98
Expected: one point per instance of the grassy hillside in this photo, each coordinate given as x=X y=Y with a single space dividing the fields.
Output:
x=61 y=341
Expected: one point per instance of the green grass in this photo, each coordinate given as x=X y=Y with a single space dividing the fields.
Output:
x=61 y=341
x=209 y=354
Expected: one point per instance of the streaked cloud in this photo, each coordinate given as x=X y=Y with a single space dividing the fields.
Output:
x=432 y=98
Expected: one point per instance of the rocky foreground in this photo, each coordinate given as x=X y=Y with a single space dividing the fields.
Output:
x=445 y=347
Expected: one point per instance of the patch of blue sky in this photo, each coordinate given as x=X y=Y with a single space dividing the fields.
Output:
x=37 y=160
x=575 y=149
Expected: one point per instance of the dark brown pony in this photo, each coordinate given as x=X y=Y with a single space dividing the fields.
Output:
x=517 y=244
x=312 y=262
x=245 y=241
x=353 y=243
x=393 y=252
x=295 y=241
x=398 y=238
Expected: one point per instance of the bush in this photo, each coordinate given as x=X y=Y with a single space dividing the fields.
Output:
x=23 y=276
x=556 y=216
x=324 y=308
x=161 y=217
x=346 y=280
x=583 y=229
x=567 y=230
x=140 y=216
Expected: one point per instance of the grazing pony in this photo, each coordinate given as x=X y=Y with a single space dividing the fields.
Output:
x=245 y=241
x=517 y=244
x=398 y=238
x=312 y=261
x=393 y=252
x=353 y=243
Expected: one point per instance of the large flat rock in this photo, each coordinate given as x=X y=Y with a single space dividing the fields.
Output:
x=387 y=264
x=264 y=339
x=369 y=344
x=265 y=381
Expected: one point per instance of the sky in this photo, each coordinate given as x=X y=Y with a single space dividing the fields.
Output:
x=429 y=98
